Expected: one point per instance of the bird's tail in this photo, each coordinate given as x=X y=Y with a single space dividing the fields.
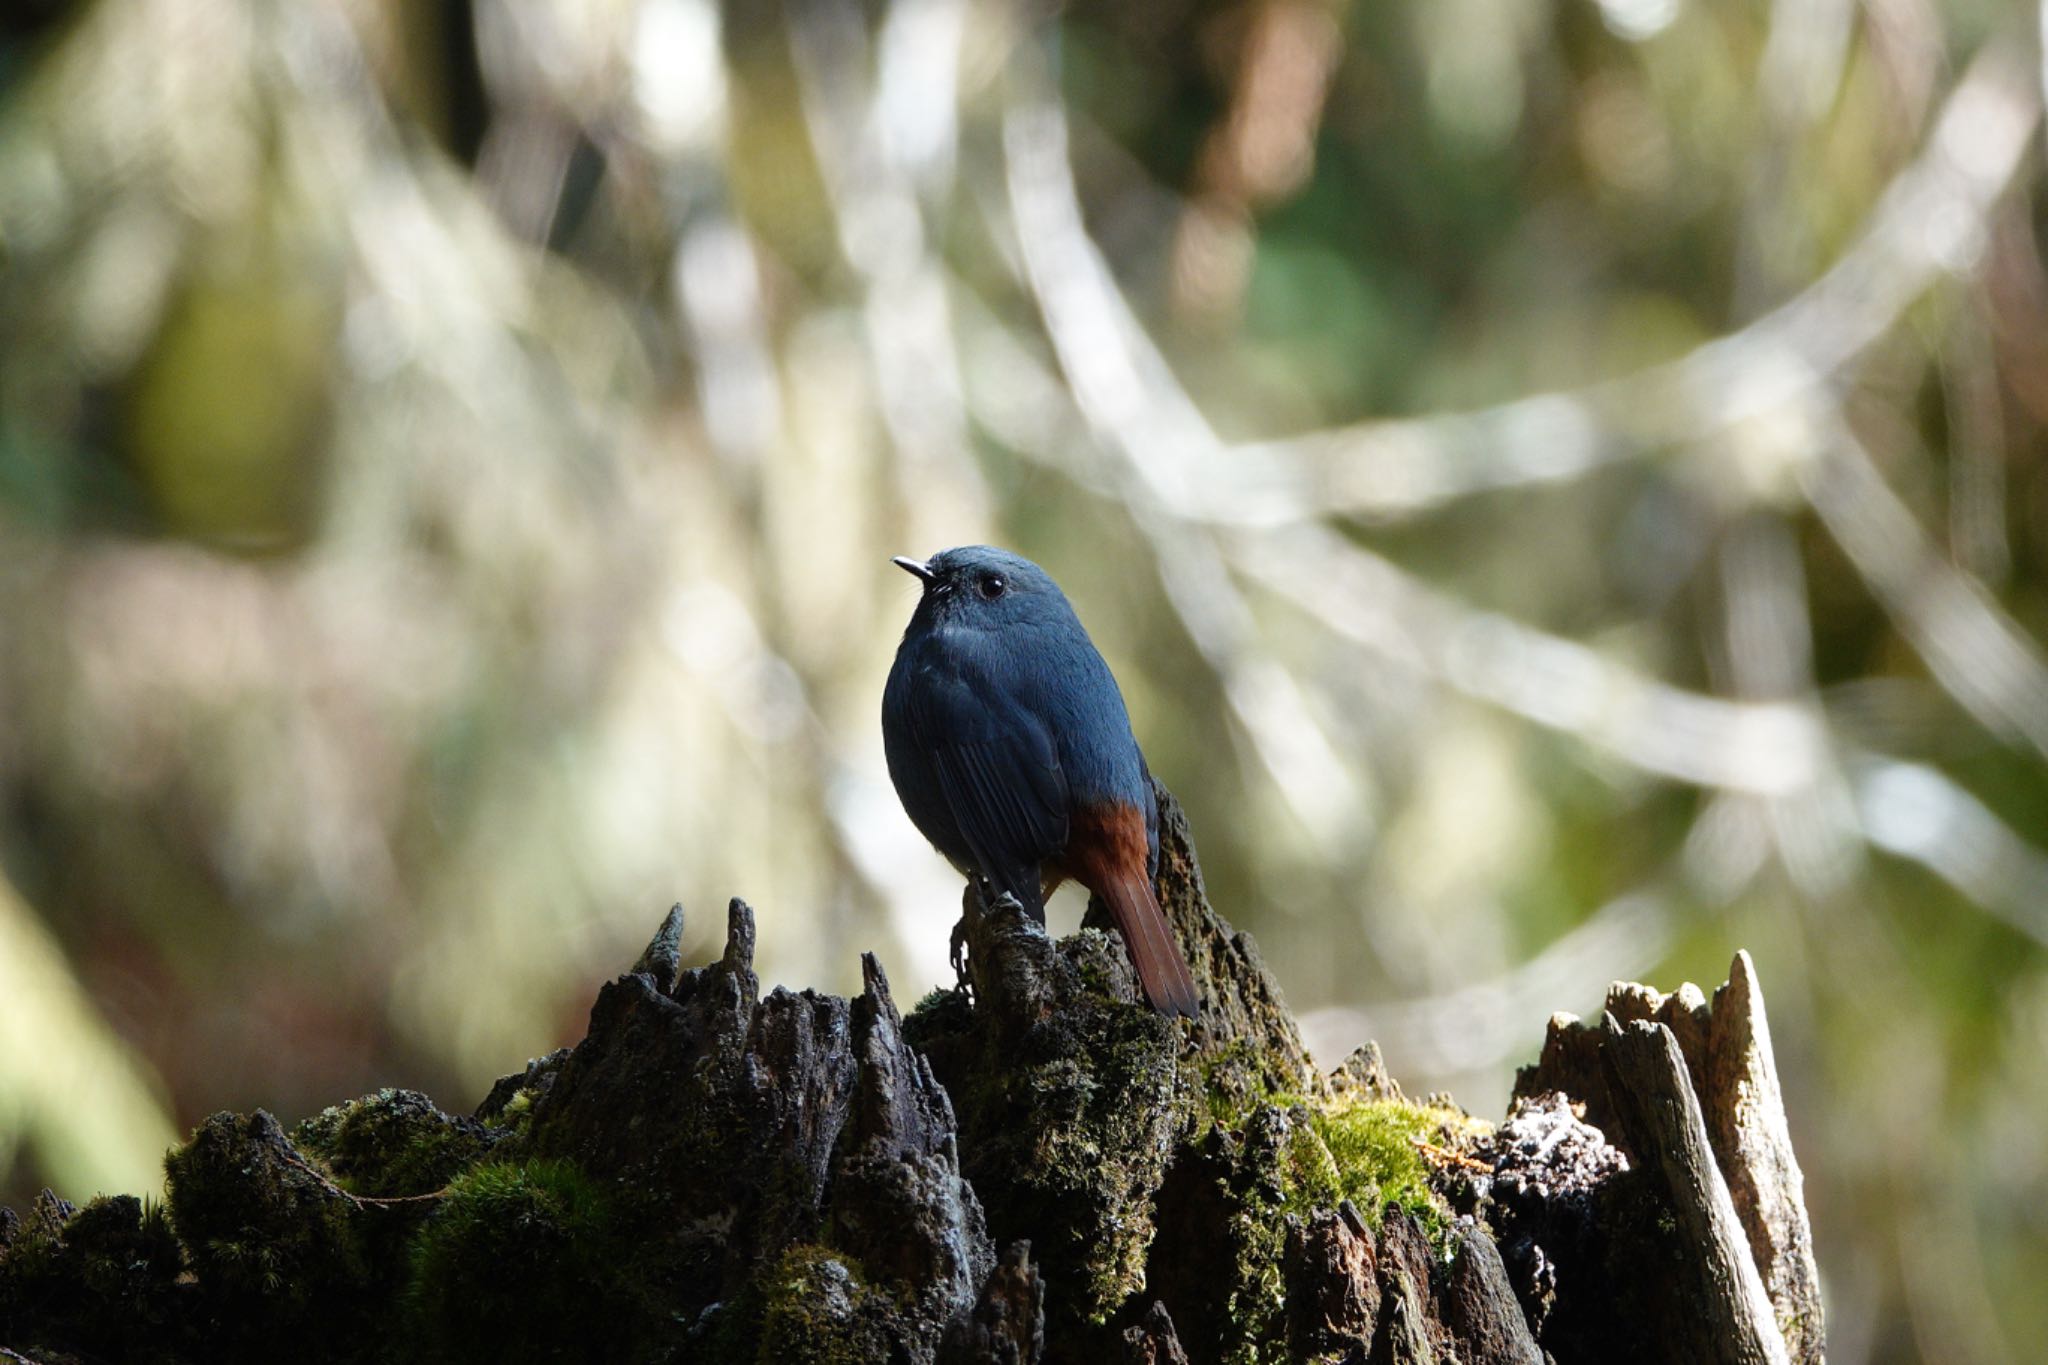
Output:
x=1162 y=970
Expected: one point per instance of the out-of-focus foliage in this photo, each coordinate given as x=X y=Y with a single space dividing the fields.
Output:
x=1562 y=485
x=71 y=1092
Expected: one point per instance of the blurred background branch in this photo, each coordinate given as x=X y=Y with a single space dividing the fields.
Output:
x=1562 y=486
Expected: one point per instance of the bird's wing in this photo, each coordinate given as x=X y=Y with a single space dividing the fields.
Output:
x=1000 y=775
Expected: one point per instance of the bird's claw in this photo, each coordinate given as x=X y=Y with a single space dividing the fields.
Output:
x=956 y=952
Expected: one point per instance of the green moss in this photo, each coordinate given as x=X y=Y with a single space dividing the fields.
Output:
x=1101 y=1126
x=507 y=1112
x=1310 y=1177
x=102 y=1280
x=122 y=1253
x=1099 y=960
x=392 y=1143
x=278 y=1251
x=1263 y=1161
x=936 y=999
x=517 y=1109
x=942 y=1016
x=1361 y=1149
x=33 y=1248
x=269 y=1239
x=1282 y=1168
x=1372 y=1147
x=524 y=1262
x=1228 y=1088
x=820 y=1309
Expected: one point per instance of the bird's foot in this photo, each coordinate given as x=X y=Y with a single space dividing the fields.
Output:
x=956 y=953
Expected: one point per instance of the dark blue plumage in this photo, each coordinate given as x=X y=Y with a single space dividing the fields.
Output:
x=1011 y=750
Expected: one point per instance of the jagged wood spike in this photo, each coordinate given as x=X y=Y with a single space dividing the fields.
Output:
x=1668 y=1134
x=1480 y=1307
x=662 y=959
x=739 y=936
x=1745 y=1111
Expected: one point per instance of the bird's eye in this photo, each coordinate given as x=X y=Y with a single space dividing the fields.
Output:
x=993 y=586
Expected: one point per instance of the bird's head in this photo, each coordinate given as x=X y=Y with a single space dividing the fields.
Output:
x=983 y=586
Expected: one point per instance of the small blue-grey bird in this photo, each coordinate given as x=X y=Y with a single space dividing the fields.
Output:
x=1011 y=750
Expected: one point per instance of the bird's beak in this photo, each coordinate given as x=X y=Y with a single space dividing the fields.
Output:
x=914 y=566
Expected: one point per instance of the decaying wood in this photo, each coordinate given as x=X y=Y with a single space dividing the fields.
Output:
x=1034 y=1170
x=1751 y=1180
x=1153 y=1340
x=1480 y=1306
x=1668 y=1135
x=1746 y=1120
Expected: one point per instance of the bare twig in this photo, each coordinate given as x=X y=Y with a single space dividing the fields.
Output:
x=361 y=1201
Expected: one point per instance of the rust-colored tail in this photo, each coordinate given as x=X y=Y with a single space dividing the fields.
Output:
x=1162 y=971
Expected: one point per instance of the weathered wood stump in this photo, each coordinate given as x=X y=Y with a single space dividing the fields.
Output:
x=1032 y=1168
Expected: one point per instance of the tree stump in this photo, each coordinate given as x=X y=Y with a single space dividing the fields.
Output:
x=1032 y=1168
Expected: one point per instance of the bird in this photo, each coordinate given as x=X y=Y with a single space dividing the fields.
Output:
x=1009 y=745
